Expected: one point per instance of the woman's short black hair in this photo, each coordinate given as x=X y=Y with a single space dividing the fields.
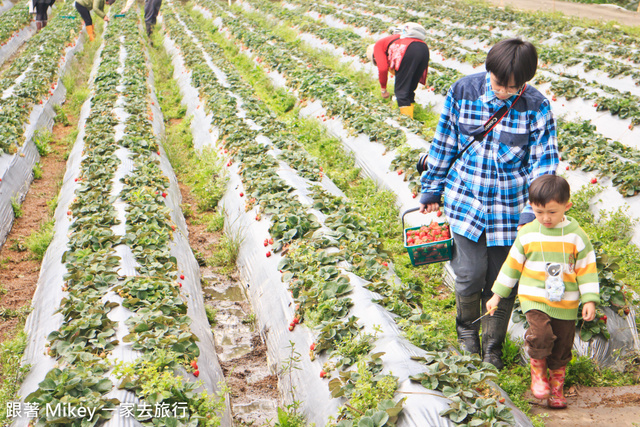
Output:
x=512 y=57
x=549 y=188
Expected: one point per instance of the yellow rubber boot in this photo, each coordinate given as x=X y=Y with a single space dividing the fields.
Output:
x=407 y=111
x=90 y=33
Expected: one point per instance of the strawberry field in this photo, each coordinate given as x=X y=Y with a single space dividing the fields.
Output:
x=269 y=113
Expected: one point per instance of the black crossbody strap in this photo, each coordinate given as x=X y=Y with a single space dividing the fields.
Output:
x=491 y=123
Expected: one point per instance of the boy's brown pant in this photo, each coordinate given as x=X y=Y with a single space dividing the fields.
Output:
x=549 y=338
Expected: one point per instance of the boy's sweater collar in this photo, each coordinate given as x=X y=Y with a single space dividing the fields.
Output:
x=568 y=224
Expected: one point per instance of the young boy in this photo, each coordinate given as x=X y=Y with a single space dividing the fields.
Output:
x=555 y=264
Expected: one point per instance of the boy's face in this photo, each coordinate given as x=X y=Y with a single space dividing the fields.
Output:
x=550 y=214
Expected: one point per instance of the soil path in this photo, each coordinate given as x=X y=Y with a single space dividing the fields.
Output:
x=599 y=12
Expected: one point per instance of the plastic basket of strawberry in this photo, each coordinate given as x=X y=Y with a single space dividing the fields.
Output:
x=427 y=244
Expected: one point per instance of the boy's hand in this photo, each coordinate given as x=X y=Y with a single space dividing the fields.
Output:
x=588 y=311
x=492 y=304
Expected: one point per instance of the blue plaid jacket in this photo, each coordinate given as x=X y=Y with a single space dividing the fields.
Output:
x=486 y=189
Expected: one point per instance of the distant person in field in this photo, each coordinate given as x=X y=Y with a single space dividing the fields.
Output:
x=151 y=11
x=84 y=8
x=406 y=56
x=42 y=11
x=554 y=265
x=495 y=136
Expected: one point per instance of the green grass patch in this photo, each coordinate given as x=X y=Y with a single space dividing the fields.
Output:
x=11 y=372
x=43 y=139
x=38 y=241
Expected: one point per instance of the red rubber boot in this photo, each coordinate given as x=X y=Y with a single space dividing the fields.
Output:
x=539 y=381
x=556 y=382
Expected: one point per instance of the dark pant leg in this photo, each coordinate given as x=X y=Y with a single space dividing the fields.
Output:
x=549 y=338
x=414 y=62
x=85 y=14
x=565 y=331
x=41 y=11
x=151 y=10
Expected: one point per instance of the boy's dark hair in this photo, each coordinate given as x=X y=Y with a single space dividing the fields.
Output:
x=549 y=188
x=512 y=57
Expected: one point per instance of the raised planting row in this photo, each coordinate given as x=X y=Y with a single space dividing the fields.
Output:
x=129 y=334
x=12 y=21
x=31 y=89
x=614 y=293
x=32 y=77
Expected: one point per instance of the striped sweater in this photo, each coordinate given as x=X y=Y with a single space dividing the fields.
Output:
x=535 y=246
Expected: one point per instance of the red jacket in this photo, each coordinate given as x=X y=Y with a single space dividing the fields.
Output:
x=388 y=53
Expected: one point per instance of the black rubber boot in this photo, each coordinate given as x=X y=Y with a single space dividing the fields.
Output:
x=494 y=331
x=468 y=310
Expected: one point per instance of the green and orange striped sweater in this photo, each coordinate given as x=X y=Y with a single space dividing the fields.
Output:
x=535 y=246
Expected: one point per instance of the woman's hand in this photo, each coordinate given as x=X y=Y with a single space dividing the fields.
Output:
x=106 y=18
x=431 y=207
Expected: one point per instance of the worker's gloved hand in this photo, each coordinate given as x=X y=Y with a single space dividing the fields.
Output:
x=385 y=93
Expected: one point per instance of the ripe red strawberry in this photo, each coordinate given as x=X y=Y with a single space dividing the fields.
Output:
x=182 y=277
x=291 y=327
x=296 y=320
x=568 y=167
x=553 y=98
x=595 y=104
x=604 y=319
x=196 y=373
x=312 y=346
x=194 y=364
x=400 y=171
x=439 y=213
x=323 y=374
x=158 y=152
x=414 y=195
x=594 y=180
x=268 y=254
x=164 y=194
x=501 y=400
x=385 y=263
x=69 y=213
x=241 y=194
x=626 y=310
x=271 y=241
x=179 y=284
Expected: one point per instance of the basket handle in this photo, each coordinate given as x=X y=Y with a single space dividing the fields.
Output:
x=406 y=212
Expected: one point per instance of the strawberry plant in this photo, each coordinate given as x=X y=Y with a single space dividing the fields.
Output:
x=467 y=382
